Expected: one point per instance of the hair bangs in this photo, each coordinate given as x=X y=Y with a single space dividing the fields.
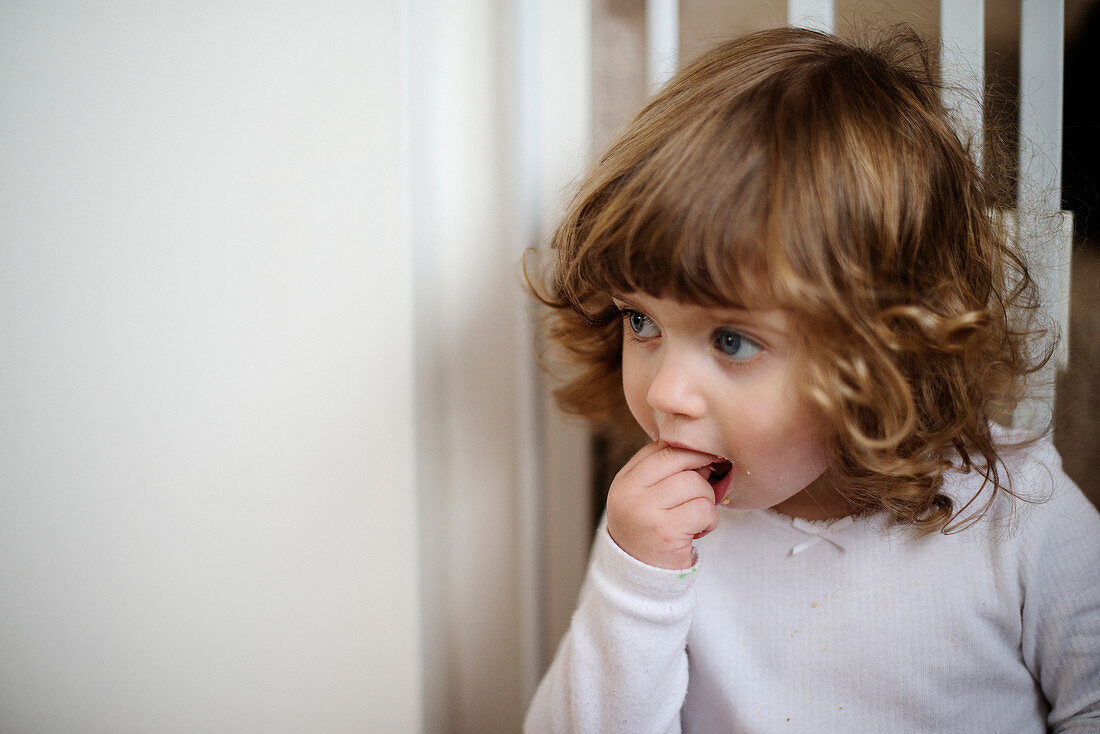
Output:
x=688 y=221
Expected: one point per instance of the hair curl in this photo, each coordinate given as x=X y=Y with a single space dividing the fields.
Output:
x=796 y=170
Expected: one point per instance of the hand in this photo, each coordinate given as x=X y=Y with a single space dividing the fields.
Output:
x=659 y=503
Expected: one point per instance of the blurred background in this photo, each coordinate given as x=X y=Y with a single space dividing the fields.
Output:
x=275 y=455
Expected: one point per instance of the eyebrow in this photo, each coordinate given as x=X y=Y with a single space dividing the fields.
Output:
x=736 y=311
x=617 y=297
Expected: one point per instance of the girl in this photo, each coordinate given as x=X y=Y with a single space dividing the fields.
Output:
x=786 y=271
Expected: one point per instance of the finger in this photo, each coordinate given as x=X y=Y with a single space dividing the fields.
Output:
x=694 y=518
x=700 y=515
x=665 y=461
x=688 y=520
x=661 y=451
x=641 y=455
x=638 y=504
x=678 y=489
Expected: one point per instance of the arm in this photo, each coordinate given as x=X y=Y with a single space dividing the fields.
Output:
x=1061 y=611
x=622 y=666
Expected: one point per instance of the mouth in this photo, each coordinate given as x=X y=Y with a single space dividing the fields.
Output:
x=717 y=475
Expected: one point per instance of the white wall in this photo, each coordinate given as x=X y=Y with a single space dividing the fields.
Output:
x=466 y=339
x=500 y=122
x=207 y=498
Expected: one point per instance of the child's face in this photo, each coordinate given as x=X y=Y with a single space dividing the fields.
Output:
x=721 y=381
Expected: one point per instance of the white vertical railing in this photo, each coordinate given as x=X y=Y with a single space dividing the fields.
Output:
x=1045 y=231
x=1042 y=39
x=962 y=59
x=819 y=15
x=662 y=41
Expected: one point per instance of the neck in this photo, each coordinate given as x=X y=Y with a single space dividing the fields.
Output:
x=820 y=500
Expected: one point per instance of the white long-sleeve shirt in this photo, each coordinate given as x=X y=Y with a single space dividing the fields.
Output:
x=787 y=625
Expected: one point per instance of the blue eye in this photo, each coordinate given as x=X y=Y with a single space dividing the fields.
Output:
x=735 y=345
x=640 y=324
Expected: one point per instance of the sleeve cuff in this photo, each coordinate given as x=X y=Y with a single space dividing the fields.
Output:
x=619 y=574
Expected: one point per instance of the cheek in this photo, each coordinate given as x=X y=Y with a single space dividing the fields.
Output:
x=635 y=388
x=784 y=434
x=812 y=456
x=808 y=447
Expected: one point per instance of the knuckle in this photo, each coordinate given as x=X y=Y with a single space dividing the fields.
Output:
x=666 y=452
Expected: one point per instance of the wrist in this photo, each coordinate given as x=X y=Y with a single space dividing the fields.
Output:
x=664 y=555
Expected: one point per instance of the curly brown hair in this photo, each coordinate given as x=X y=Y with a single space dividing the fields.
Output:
x=793 y=169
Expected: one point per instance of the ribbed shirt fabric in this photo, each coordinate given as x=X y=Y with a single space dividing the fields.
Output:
x=785 y=625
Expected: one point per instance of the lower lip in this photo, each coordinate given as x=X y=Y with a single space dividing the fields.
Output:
x=722 y=489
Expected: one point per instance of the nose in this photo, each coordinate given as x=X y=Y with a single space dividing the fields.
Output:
x=675 y=388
